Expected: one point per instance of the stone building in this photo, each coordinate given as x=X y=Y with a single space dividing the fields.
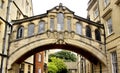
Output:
x=12 y=10
x=107 y=12
x=95 y=38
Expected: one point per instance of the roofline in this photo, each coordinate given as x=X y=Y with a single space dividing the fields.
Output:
x=89 y=21
x=29 y=18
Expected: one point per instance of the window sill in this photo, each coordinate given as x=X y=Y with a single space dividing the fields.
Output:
x=106 y=6
x=110 y=35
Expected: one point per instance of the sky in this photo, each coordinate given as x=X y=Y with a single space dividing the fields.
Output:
x=77 y=6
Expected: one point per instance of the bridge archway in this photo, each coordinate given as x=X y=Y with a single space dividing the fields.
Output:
x=73 y=39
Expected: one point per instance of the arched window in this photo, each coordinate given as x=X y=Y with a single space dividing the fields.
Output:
x=31 y=29
x=51 y=24
x=20 y=32
x=41 y=28
x=97 y=35
x=79 y=28
x=60 y=21
x=88 y=32
x=69 y=24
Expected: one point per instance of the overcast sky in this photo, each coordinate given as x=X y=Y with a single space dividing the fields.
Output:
x=78 y=6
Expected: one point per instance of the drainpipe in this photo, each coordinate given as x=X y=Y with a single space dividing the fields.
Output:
x=5 y=35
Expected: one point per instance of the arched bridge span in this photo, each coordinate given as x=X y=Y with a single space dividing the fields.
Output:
x=58 y=28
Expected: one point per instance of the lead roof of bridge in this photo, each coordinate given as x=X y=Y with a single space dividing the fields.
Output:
x=57 y=8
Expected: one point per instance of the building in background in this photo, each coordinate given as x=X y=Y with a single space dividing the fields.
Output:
x=107 y=12
x=13 y=10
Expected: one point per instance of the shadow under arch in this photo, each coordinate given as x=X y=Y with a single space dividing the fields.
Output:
x=73 y=48
x=89 y=52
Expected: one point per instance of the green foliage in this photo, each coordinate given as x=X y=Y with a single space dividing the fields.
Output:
x=52 y=68
x=56 y=62
x=67 y=56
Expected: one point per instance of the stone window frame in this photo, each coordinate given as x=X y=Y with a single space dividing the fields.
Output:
x=69 y=23
x=52 y=23
x=41 y=27
x=20 y=32
x=95 y=12
x=78 y=30
x=31 y=28
x=109 y=25
x=60 y=21
x=97 y=34
x=114 y=62
x=88 y=31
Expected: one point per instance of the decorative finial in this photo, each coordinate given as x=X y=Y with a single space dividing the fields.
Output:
x=60 y=5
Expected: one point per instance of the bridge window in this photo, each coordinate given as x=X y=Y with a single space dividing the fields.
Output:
x=114 y=62
x=41 y=27
x=88 y=32
x=52 y=24
x=60 y=21
x=97 y=35
x=69 y=24
x=79 y=28
x=20 y=32
x=31 y=29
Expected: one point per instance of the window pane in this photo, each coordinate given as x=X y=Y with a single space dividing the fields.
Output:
x=97 y=35
x=31 y=29
x=52 y=24
x=69 y=24
x=20 y=32
x=78 y=28
x=88 y=32
x=109 y=24
x=114 y=62
x=96 y=12
x=41 y=27
x=60 y=21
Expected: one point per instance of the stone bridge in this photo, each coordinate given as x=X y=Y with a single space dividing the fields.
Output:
x=58 y=28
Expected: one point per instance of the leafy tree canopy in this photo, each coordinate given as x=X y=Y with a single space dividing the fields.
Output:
x=57 y=65
x=67 y=56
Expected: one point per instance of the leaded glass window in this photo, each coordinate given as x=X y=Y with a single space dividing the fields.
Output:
x=69 y=24
x=52 y=24
x=109 y=25
x=97 y=35
x=60 y=21
x=79 y=28
x=41 y=27
x=31 y=29
x=114 y=62
x=20 y=32
x=88 y=32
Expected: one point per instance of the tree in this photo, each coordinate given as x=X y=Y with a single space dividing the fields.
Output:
x=52 y=68
x=67 y=56
x=56 y=62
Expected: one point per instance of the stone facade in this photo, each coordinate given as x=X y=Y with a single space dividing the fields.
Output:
x=97 y=42
x=11 y=10
x=107 y=12
x=58 y=28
